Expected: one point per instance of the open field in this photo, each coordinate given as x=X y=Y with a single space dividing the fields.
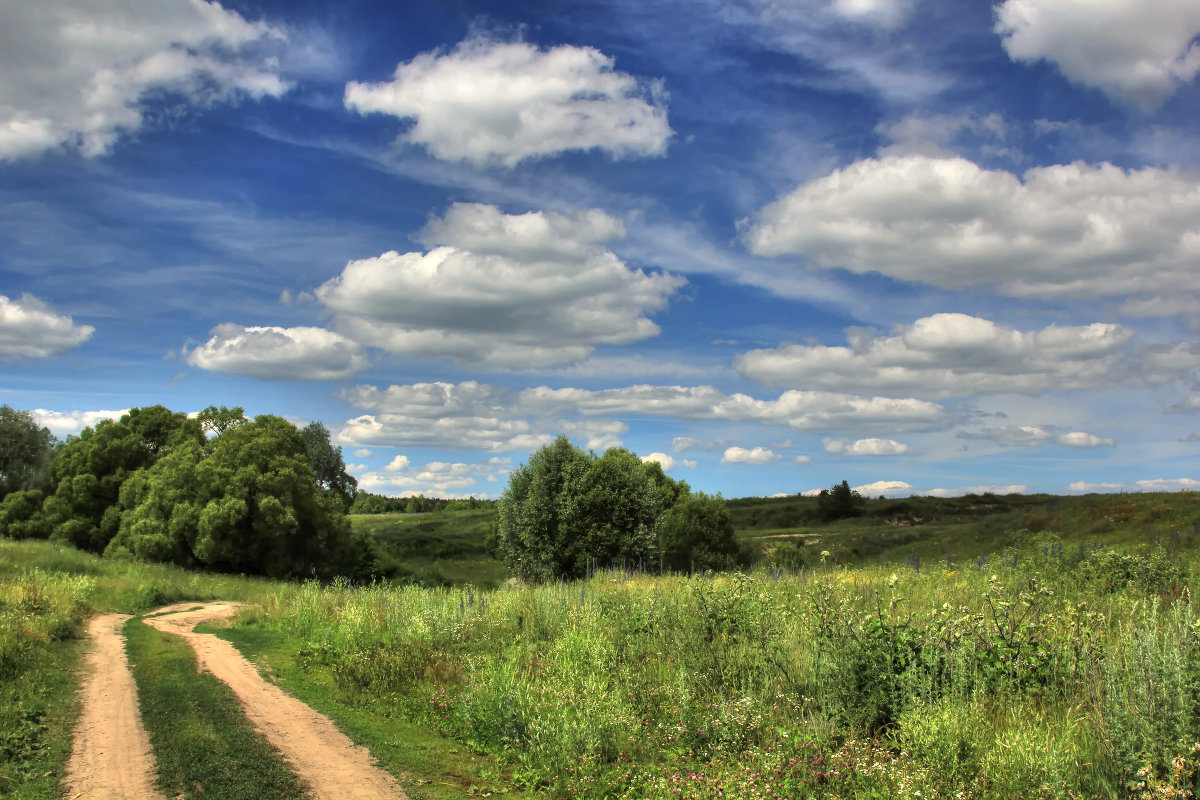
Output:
x=1056 y=654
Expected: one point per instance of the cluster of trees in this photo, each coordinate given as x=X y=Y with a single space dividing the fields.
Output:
x=565 y=508
x=219 y=492
x=368 y=503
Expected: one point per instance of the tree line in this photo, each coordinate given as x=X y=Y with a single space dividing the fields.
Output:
x=219 y=491
x=227 y=493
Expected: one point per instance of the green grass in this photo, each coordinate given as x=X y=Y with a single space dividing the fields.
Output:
x=889 y=531
x=38 y=709
x=440 y=548
x=47 y=590
x=203 y=743
x=1008 y=681
x=429 y=767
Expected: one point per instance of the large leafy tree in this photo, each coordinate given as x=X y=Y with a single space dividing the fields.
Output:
x=26 y=449
x=566 y=506
x=246 y=501
x=89 y=471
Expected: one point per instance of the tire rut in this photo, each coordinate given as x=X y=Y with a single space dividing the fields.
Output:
x=321 y=755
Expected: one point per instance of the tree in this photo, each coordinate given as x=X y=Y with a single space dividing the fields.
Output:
x=88 y=472
x=215 y=421
x=697 y=532
x=245 y=501
x=26 y=449
x=566 y=506
x=839 y=502
x=327 y=464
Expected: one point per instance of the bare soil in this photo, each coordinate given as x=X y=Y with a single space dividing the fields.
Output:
x=321 y=755
x=110 y=755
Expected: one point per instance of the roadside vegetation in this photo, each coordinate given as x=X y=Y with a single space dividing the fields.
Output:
x=203 y=744
x=1036 y=673
x=654 y=642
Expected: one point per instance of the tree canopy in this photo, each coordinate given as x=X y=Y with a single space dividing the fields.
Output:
x=839 y=502
x=247 y=501
x=25 y=451
x=565 y=507
x=219 y=492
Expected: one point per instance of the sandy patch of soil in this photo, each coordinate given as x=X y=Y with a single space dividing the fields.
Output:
x=110 y=754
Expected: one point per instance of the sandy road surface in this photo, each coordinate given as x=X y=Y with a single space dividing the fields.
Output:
x=333 y=766
x=110 y=754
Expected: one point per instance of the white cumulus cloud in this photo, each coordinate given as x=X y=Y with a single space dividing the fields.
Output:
x=667 y=462
x=1033 y=436
x=1151 y=485
x=472 y=415
x=1069 y=230
x=491 y=102
x=274 y=353
x=755 y=455
x=867 y=447
x=77 y=73
x=67 y=423
x=1083 y=440
x=958 y=355
x=1139 y=51
x=885 y=488
x=1188 y=405
x=510 y=291
x=30 y=329
x=1016 y=488
x=437 y=478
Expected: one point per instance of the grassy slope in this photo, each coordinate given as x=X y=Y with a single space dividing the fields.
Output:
x=966 y=527
x=447 y=548
x=440 y=548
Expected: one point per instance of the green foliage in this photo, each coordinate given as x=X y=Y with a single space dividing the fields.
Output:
x=21 y=516
x=203 y=744
x=25 y=451
x=697 y=533
x=247 y=501
x=1151 y=705
x=89 y=471
x=327 y=464
x=840 y=502
x=566 y=507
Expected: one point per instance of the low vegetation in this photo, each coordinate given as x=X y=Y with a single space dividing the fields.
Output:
x=1043 y=670
x=975 y=647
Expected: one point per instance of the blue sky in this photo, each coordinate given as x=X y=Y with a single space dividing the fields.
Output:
x=925 y=246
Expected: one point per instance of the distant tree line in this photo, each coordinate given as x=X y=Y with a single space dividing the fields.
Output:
x=368 y=503
x=219 y=491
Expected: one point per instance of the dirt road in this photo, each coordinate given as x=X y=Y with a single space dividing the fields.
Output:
x=111 y=757
x=333 y=766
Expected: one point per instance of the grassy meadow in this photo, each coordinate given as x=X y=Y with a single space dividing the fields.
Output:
x=986 y=647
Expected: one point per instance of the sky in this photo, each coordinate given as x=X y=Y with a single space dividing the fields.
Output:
x=924 y=246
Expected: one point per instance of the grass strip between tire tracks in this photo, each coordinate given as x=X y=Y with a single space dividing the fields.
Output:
x=428 y=766
x=204 y=745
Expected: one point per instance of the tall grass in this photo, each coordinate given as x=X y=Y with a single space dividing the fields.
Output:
x=1031 y=677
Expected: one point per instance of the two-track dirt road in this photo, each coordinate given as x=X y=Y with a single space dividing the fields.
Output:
x=111 y=757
